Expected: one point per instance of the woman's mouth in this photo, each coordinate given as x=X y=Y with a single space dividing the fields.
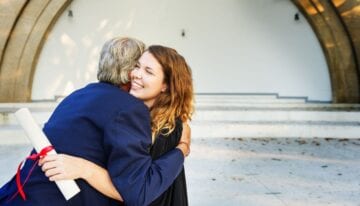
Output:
x=136 y=85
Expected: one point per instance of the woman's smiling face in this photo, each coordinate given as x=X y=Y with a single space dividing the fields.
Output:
x=147 y=79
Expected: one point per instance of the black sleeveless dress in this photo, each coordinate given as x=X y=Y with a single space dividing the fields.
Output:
x=176 y=194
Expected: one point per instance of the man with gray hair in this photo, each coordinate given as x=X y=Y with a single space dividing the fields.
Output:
x=105 y=125
x=118 y=57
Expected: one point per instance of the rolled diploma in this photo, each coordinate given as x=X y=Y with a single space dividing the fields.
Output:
x=38 y=139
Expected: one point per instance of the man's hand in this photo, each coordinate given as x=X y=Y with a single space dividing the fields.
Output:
x=185 y=140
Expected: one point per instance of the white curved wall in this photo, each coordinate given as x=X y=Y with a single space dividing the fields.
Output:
x=233 y=46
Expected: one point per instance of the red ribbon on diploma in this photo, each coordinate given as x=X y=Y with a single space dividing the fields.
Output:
x=35 y=157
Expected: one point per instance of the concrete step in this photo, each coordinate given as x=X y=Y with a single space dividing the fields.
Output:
x=332 y=114
x=235 y=115
x=230 y=99
x=276 y=115
x=243 y=119
x=10 y=119
x=33 y=106
x=12 y=134
x=275 y=129
x=277 y=120
x=281 y=106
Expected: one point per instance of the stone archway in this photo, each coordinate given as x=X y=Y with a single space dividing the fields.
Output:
x=24 y=26
x=336 y=23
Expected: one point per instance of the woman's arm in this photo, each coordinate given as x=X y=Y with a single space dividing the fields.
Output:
x=65 y=167
x=185 y=140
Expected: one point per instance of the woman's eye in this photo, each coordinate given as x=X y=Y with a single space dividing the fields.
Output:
x=148 y=71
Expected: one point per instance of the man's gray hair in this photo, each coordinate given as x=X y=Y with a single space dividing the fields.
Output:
x=118 y=57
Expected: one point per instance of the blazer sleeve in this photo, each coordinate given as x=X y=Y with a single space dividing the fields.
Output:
x=136 y=176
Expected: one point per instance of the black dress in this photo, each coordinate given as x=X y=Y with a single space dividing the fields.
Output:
x=176 y=194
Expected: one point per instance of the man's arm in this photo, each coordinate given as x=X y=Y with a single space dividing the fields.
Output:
x=136 y=176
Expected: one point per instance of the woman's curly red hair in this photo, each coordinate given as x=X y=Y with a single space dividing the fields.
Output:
x=177 y=100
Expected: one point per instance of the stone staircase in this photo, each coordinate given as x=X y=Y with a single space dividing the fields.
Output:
x=269 y=116
x=231 y=116
x=10 y=130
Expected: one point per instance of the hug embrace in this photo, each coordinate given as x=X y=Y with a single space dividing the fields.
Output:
x=123 y=139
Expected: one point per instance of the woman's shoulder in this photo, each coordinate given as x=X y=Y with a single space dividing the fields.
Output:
x=173 y=136
x=178 y=128
x=178 y=123
x=165 y=142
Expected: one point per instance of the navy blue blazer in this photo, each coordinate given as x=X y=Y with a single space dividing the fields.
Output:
x=111 y=128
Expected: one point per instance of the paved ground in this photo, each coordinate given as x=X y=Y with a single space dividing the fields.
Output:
x=254 y=172
x=235 y=171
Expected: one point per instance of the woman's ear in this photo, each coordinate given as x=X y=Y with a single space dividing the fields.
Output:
x=164 y=87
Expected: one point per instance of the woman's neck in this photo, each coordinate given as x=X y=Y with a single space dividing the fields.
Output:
x=149 y=104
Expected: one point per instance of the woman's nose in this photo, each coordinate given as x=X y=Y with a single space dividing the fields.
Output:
x=136 y=73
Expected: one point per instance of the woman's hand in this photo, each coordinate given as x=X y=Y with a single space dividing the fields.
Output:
x=64 y=167
x=185 y=140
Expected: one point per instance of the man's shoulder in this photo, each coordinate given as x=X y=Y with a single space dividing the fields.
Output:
x=104 y=93
x=100 y=101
